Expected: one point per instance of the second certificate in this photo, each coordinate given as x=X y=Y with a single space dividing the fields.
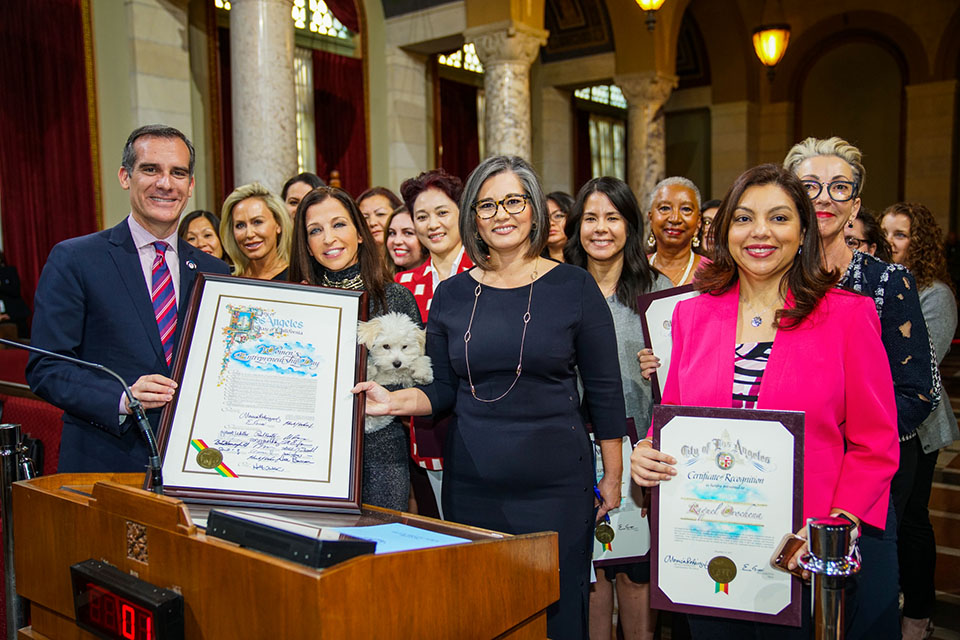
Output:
x=720 y=518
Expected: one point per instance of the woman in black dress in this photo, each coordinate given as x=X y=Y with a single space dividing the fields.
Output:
x=507 y=339
x=332 y=247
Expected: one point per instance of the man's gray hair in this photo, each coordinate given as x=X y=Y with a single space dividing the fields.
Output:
x=475 y=247
x=667 y=182
x=129 y=158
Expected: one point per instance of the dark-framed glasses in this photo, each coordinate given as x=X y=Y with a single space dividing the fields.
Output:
x=513 y=204
x=855 y=243
x=838 y=190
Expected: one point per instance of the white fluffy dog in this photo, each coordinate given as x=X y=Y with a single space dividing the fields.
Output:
x=395 y=356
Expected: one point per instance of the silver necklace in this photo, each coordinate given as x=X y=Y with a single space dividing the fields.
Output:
x=523 y=336
x=757 y=320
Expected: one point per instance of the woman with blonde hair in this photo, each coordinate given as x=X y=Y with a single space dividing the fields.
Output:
x=255 y=230
x=917 y=244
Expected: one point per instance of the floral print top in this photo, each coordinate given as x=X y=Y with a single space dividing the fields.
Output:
x=916 y=378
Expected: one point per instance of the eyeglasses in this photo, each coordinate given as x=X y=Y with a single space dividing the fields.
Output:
x=855 y=243
x=838 y=190
x=513 y=204
x=558 y=216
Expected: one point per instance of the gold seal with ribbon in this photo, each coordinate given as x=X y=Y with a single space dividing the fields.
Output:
x=604 y=533
x=722 y=570
x=209 y=458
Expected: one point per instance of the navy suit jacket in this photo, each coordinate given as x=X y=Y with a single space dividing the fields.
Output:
x=92 y=303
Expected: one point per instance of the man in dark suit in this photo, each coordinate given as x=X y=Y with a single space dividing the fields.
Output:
x=118 y=297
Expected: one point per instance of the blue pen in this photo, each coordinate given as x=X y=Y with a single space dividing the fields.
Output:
x=596 y=492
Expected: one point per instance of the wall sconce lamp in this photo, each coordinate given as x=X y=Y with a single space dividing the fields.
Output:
x=770 y=43
x=650 y=6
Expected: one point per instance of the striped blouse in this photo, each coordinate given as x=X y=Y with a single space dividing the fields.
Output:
x=749 y=361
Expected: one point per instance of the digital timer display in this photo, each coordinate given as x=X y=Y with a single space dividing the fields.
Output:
x=114 y=615
x=117 y=606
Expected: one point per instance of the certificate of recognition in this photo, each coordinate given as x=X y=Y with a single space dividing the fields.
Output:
x=263 y=413
x=656 y=316
x=715 y=525
x=631 y=541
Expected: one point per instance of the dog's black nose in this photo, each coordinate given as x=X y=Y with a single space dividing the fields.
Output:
x=397 y=364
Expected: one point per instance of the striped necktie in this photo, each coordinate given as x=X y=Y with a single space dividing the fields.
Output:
x=164 y=301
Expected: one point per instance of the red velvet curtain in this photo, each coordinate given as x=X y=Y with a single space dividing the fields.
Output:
x=46 y=168
x=340 y=117
x=458 y=128
x=582 y=165
x=226 y=116
x=346 y=12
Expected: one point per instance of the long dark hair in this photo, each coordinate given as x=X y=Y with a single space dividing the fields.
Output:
x=565 y=203
x=306 y=177
x=303 y=266
x=807 y=278
x=637 y=276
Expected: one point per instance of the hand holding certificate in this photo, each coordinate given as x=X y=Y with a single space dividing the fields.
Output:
x=264 y=412
x=727 y=483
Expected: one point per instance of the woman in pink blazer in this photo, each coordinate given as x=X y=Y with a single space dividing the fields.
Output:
x=770 y=332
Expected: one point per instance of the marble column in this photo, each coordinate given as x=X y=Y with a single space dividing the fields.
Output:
x=646 y=93
x=264 y=99
x=506 y=50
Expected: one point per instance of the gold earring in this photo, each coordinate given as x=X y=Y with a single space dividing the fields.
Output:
x=696 y=241
x=651 y=241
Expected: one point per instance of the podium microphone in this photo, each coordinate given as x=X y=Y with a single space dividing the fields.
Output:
x=140 y=416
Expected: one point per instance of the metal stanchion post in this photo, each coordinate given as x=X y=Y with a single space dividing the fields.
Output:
x=831 y=565
x=9 y=468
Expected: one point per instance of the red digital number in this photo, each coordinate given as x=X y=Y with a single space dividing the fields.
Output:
x=127 y=620
x=95 y=608
x=117 y=615
x=145 y=627
x=110 y=611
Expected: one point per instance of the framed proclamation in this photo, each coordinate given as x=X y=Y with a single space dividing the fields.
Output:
x=656 y=315
x=263 y=413
x=715 y=525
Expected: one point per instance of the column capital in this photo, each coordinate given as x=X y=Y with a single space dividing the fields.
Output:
x=646 y=87
x=506 y=42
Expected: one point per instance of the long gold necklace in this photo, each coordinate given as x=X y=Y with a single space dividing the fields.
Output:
x=523 y=336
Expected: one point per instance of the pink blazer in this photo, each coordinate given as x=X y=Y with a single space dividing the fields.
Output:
x=833 y=367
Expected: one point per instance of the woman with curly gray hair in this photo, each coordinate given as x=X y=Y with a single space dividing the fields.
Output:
x=507 y=340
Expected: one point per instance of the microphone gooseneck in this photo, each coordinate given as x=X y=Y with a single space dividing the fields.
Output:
x=139 y=415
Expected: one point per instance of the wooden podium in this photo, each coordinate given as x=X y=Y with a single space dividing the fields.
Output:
x=497 y=586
